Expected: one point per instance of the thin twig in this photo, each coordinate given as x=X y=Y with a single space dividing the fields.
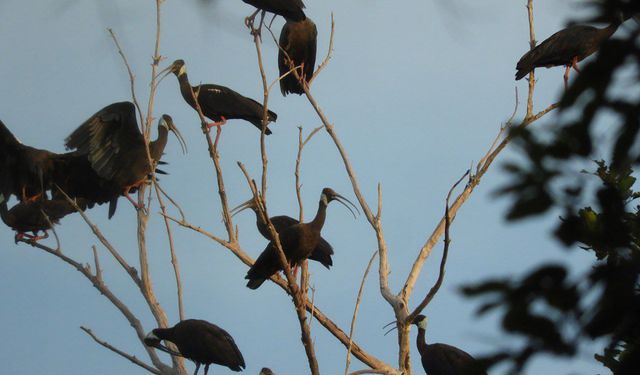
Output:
x=432 y=292
x=325 y=62
x=132 y=77
x=355 y=310
x=121 y=353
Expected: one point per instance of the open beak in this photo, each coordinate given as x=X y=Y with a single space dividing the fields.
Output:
x=164 y=72
x=248 y=204
x=395 y=322
x=342 y=200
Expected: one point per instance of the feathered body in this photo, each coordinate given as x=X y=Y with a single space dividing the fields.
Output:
x=220 y=103
x=202 y=342
x=565 y=47
x=444 y=359
x=298 y=40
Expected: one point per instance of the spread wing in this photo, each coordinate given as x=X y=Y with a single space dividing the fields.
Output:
x=106 y=137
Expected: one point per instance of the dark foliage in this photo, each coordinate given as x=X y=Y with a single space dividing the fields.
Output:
x=550 y=310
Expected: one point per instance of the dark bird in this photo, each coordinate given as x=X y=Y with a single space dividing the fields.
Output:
x=289 y=9
x=298 y=242
x=443 y=359
x=28 y=173
x=323 y=250
x=201 y=342
x=35 y=216
x=298 y=42
x=566 y=47
x=112 y=142
x=24 y=171
x=220 y=103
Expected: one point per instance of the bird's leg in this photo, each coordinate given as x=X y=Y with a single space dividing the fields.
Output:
x=197 y=368
x=126 y=194
x=206 y=369
x=574 y=64
x=248 y=21
x=566 y=76
x=19 y=236
x=218 y=125
x=37 y=238
x=27 y=199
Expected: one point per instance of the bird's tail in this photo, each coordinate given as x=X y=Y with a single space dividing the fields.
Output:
x=255 y=283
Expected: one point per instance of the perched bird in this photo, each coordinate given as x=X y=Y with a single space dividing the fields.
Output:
x=24 y=171
x=323 y=250
x=298 y=42
x=201 y=342
x=443 y=359
x=298 y=242
x=112 y=142
x=289 y=9
x=220 y=103
x=566 y=47
x=35 y=216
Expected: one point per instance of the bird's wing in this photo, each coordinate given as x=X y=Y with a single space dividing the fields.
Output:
x=322 y=253
x=310 y=57
x=9 y=149
x=107 y=136
x=223 y=101
x=226 y=349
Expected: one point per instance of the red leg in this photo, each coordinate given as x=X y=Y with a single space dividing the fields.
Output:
x=574 y=64
x=218 y=125
x=126 y=194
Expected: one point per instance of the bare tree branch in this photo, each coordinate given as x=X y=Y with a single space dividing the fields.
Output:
x=355 y=311
x=121 y=353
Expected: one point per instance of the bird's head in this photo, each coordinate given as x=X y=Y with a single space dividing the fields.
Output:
x=152 y=339
x=177 y=68
x=329 y=195
x=420 y=321
x=266 y=371
x=167 y=122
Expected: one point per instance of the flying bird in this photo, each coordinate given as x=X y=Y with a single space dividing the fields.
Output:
x=323 y=250
x=201 y=342
x=298 y=242
x=220 y=103
x=116 y=150
x=297 y=42
x=565 y=48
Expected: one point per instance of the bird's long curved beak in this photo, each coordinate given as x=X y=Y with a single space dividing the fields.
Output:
x=392 y=328
x=183 y=143
x=163 y=348
x=342 y=200
x=241 y=207
x=164 y=72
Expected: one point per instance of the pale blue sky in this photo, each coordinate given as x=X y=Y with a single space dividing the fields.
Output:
x=417 y=91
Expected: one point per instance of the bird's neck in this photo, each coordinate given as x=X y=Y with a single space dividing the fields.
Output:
x=318 y=221
x=157 y=147
x=185 y=89
x=420 y=341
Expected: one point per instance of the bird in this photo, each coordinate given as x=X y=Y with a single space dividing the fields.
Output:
x=298 y=242
x=25 y=171
x=566 y=47
x=36 y=216
x=289 y=9
x=443 y=359
x=298 y=40
x=220 y=103
x=200 y=341
x=29 y=173
x=266 y=371
x=323 y=250
x=112 y=142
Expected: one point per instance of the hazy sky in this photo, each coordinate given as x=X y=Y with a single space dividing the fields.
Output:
x=417 y=91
